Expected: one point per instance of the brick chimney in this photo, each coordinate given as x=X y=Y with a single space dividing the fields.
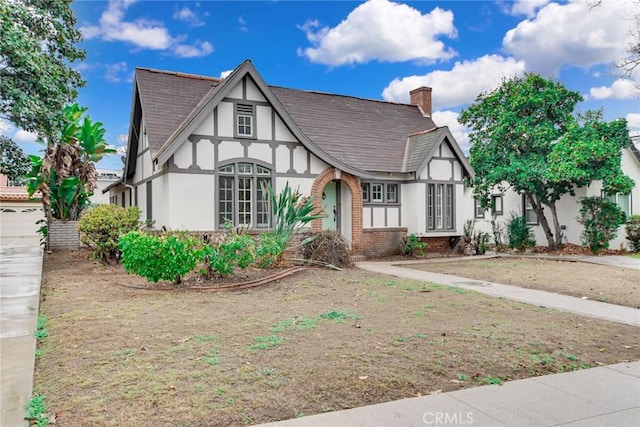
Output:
x=421 y=97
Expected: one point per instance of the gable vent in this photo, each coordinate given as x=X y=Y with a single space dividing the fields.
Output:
x=244 y=108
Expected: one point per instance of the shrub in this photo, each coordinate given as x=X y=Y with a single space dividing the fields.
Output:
x=235 y=250
x=633 y=232
x=601 y=219
x=270 y=249
x=101 y=226
x=169 y=256
x=519 y=233
x=412 y=246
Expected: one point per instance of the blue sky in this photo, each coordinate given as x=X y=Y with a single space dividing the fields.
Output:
x=378 y=49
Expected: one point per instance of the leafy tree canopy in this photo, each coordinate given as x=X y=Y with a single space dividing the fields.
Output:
x=13 y=162
x=37 y=44
x=525 y=136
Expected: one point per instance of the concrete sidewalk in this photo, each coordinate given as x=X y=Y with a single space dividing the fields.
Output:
x=604 y=396
x=600 y=310
x=20 y=279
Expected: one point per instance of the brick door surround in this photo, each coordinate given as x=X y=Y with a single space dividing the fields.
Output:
x=353 y=182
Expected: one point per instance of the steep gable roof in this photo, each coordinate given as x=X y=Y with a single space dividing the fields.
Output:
x=422 y=146
x=167 y=99
x=360 y=136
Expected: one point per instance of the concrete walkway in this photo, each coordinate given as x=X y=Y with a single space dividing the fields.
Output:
x=20 y=278
x=601 y=310
x=604 y=396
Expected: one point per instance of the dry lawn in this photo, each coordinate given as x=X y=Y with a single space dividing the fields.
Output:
x=596 y=282
x=316 y=341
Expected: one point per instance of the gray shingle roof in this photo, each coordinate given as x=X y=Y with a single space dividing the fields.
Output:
x=419 y=146
x=366 y=134
x=167 y=99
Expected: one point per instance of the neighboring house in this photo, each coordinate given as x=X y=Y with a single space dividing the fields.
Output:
x=18 y=212
x=106 y=177
x=503 y=205
x=200 y=148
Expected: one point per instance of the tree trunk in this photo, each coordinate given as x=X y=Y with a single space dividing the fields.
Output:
x=556 y=223
x=537 y=208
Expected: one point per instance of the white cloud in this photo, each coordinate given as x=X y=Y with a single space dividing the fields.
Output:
x=460 y=85
x=141 y=33
x=22 y=136
x=224 y=74
x=459 y=131
x=122 y=138
x=117 y=73
x=620 y=89
x=526 y=7
x=188 y=16
x=381 y=30
x=572 y=34
x=243 y=25
x=193 y=51
x=633 y=123
x=5 y=126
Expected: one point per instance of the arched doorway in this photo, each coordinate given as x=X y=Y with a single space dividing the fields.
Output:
x=340 y=195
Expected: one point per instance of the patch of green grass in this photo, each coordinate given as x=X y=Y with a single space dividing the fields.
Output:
x=462 y=377
x=268 y=372
x=489 y=379
x=301 y=323
x=263 y=343
x=36 y=411
x=634 y=255
x=339 y=316
x=370 y=331
x=212 y=359
x=40 y=352
x=205 y=338
x=41 y=328
x=420 y=336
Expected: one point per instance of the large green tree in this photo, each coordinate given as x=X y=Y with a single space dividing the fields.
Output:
x=13 y=162
x=37 y=47
x=525 y=137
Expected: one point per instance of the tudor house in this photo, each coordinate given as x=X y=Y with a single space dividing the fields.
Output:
x=200 y=149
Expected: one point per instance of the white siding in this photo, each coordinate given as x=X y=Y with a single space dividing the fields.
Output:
x=282 y=159
x=393 y=217
x=206 y=158
x=260 y=152
x=226 y=122
x=195 y=192
x=300 y=159
x=378 y=217
x=366 y=217
x=229 y=150
x=263 y=122
x=206 y=126
x=183 y=157
x=282 y=132
x=446 y=151
x=440 y=169
x=317 y=165
x=253 y=93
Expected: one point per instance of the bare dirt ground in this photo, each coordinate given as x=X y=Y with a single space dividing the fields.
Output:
x=317 y=341
x=596 y=282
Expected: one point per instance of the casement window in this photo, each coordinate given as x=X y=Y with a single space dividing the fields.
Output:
x=496 y=204
x=378 y=192
x=366 y=187
x=478 y=209
x=244 y=120
x=623 y=201
x=528 y=212
x=440 y=207
x=392 y=193
x=242 y=198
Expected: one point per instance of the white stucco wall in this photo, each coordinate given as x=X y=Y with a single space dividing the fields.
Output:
x=183 y=157
x=192 y=204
